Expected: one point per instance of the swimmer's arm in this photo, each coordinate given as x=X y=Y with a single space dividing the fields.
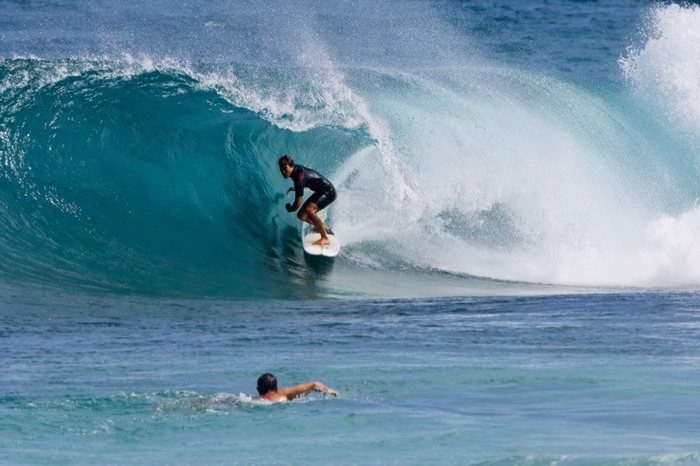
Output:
x=300 y=390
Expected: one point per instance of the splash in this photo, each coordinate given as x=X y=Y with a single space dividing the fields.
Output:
x=666 y=65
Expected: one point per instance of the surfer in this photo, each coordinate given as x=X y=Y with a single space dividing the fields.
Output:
x=267 y=388
x=324 y=194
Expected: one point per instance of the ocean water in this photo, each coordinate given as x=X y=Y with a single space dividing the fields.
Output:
x=517 y=202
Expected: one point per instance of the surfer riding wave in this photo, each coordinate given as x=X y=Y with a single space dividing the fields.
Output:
x=323 y=195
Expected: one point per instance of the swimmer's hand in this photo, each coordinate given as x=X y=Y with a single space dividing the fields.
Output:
x=289 y=207
x=319 y=387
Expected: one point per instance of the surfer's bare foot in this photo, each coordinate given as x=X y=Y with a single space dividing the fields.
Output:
x=322 y=242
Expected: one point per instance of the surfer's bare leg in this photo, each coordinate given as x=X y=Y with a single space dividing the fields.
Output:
x=308 y=215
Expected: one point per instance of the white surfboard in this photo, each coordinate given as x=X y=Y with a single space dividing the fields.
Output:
x=329 y=250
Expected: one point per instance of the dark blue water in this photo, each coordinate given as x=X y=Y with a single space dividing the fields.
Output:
x=517 y=206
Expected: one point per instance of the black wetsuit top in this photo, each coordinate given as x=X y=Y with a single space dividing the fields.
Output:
x=324 y=192
x=307 y=178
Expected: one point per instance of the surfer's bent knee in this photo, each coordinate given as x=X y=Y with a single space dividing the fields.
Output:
x=307 y=211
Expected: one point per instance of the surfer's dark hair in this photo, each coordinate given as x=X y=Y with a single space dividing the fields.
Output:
x=267 y=383
x=286 y=160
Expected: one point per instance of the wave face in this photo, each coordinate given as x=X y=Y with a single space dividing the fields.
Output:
x=157 y=175
x=141 y=179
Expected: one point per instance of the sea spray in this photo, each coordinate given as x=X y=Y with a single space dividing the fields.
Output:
x=665 y=66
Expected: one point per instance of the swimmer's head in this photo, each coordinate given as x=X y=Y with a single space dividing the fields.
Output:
x=267 y=383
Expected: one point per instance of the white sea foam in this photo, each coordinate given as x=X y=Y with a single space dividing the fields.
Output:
x=518 y=177
x=667 y=63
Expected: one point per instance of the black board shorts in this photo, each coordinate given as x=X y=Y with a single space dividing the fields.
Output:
x=321 y=199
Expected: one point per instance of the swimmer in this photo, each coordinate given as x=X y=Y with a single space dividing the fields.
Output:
x=267 y=388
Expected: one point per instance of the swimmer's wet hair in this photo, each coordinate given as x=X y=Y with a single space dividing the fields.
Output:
x=266 y=383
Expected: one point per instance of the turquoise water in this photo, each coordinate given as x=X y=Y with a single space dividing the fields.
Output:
x=517 y=200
